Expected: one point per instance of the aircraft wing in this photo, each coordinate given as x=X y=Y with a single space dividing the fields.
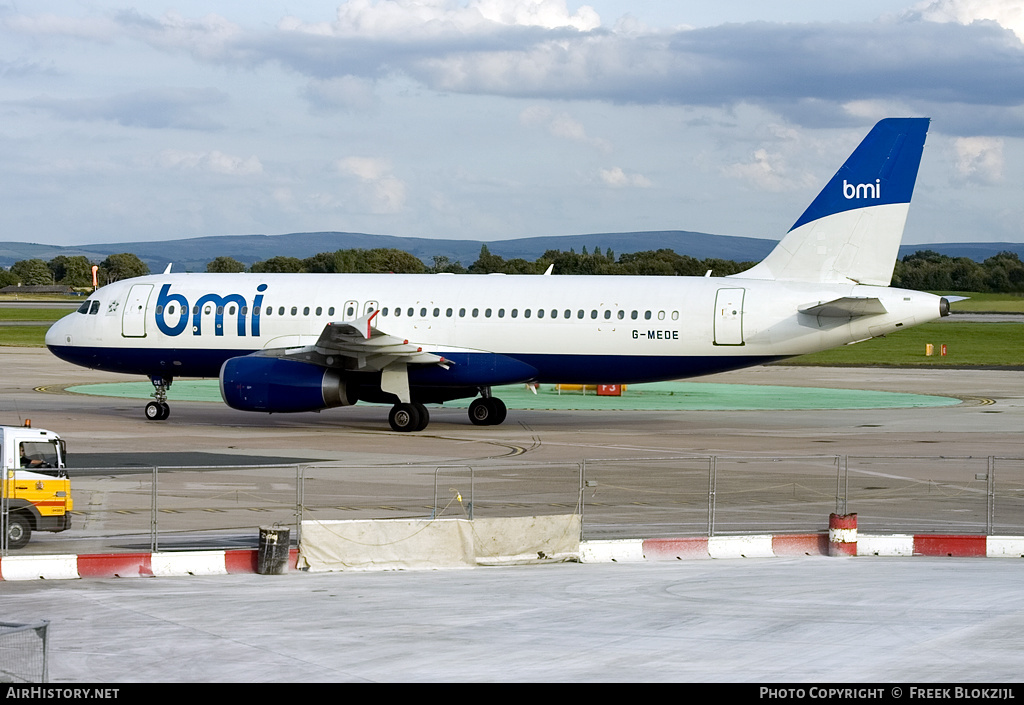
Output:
x=845 y=307
x=359 y=345
x=369 y=347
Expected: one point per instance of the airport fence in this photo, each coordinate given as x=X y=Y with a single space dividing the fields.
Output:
x=24 y=651
x=222 y=507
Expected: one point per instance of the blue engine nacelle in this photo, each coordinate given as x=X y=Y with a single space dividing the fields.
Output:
x=273 y=384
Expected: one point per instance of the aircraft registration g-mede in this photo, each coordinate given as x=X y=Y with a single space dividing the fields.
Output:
x=305 y=342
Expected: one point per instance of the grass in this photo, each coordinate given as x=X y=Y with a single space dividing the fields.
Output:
x=33 y=314
x=23 y=336
x=967 y=345
x=985 y=303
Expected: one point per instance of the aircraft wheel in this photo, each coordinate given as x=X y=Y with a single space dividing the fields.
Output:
x=154 y=412
x=424 y=416
x=404 y=418
x=487 y=411
x=500 y=411
x=19 y=530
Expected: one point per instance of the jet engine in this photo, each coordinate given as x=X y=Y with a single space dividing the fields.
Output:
x=273 y=384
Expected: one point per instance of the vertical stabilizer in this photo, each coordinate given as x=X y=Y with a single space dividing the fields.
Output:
x=852 y=230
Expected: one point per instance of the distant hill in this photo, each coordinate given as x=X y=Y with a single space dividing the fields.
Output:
x=193 y=254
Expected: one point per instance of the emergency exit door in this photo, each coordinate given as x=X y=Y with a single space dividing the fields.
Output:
x=729 y=317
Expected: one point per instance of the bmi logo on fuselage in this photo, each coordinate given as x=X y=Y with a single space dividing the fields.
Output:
x=851 y=191
x=176 y=305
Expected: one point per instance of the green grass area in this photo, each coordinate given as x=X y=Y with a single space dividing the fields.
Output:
x=23 y=336
x=33 y=314
x=985 y=303
x=967 y=344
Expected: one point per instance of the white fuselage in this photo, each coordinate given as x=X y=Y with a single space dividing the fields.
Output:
x=605 y=329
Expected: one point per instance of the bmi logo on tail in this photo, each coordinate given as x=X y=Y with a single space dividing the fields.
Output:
x=862 y=190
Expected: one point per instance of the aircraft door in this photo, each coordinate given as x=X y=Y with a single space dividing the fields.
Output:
x=369 y=307
x=729 y=317
x=133 y=319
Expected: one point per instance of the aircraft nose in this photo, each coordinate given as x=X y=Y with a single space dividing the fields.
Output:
x=59 y=333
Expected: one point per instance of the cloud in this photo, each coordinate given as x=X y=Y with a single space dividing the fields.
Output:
x=942 y=53
x=1007 y=13
x=344 y=93
x=441 y=18
x=182 y=108
x=561 y=125
x=215 y=161
x=979 y=159
x=382 y=191
x=617 y=178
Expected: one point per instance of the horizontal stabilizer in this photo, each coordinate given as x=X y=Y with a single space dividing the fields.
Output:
x=845 y=307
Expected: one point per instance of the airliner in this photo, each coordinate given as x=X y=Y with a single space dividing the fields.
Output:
x=306 y=342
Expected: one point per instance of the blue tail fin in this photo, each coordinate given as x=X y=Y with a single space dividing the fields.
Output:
x=852 y=230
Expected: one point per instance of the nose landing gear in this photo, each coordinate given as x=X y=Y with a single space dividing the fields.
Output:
x=159 y=410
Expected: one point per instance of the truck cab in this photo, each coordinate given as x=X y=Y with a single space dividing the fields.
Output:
x=35 y=494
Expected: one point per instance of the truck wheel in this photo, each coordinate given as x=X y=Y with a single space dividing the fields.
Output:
x=19 y=531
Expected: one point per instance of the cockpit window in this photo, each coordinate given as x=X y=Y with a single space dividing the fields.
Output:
x=95 y=308
x=84 y=308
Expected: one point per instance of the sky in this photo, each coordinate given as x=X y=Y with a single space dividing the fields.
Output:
x=495 y=119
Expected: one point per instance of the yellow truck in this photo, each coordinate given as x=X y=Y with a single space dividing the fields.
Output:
x=36 y=493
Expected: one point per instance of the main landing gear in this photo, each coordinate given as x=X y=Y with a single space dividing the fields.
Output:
x=484 y=411
x=408 y=417
x=159 y=410
x=487 y=411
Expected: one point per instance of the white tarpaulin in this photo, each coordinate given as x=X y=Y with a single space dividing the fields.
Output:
x=396 y=544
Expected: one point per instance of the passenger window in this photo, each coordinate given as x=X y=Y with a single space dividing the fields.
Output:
x=305 y=311
x=280 y=310
x=245 y=310
x=540 y=312
x=675 y=315
x=607 y=315
x=634 y=315
x=501 y=313
x=295 y=310
x=647 y=315
x=319 y=310
x=255 y=310
x=568 y=313
x=220 y=311
x=462 y=313
x=621 y=315
x=487 y=313
x=661 y=315
x=330 y=311
x=593 y=313
x=159 y=310
x=208 y=308
x=476 y=312
x=579 y=314
x=423 y=313
x=515 y=313
x=437 y=312
x=270 y=310
x=449 y=313
x=398 y=311
x=410 y=311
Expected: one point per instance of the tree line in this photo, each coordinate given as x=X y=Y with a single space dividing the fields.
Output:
x=924 y=270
